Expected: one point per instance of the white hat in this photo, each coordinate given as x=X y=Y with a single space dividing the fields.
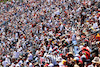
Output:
x=50 y=65
x=58 y=59
x=96 y=60
x=76 y=58
x=83 y=56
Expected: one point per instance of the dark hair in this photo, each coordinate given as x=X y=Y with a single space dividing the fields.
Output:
x=56 y=65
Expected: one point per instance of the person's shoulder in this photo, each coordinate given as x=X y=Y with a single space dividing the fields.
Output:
x=91 y=65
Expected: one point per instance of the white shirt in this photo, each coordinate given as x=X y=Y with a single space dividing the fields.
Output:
x=30 y=65
x=4 y=63
x=95 y=25
x=60 y=64
x=30 y=57
x=12 y=65
x=61 y=27
x=91 y=65
x=16 y=54
x=20 y=62
x=7 y=60
x=17 y=65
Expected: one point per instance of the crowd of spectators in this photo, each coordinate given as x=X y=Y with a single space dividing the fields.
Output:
x=37 y=33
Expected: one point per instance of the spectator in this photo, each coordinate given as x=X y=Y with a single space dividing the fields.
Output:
x=42 y=33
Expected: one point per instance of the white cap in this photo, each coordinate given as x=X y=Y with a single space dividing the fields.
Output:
x=50 y=65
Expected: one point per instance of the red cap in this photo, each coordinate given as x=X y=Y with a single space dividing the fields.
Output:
x=86 y=40
x=61 y=54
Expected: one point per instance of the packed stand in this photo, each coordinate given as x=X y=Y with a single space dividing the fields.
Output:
x=37 y=33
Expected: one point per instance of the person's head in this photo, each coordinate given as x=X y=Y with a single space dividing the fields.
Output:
x=58 y=59
x=64 y=62
x=83 y=58
x=22 y=65
x=70 y=54
x=27 y=63
x=96 y=61
x=63 y=56
x=56 y=65
x=85 y=44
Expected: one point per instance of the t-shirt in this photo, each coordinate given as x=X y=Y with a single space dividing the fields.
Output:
x=17 y=65
x=30 y=65
x=76 y=49
x=16 y=54
x=95 y=25
x=4 y=63
x=91 y=65
x=12 y=65
x=60 y=64
x=30 y=57
x=7 y=60
x=20 y=62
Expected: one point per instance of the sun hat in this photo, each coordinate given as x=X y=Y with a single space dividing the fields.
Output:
x=70 y=53
x=96 y=60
